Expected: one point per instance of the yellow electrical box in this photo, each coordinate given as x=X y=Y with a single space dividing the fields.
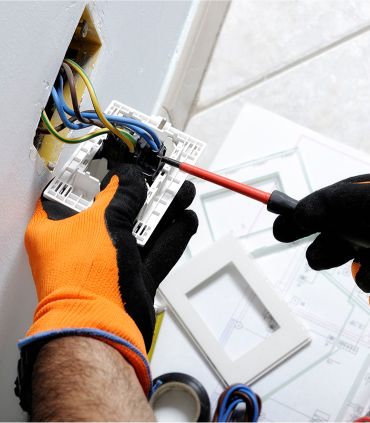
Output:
x=84 y=49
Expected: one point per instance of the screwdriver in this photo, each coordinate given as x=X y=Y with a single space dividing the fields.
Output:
x=277 y=201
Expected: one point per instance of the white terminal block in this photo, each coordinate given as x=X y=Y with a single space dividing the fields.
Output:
x=76 y=188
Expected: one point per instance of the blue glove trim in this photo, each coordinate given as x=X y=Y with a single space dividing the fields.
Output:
x=85 y=331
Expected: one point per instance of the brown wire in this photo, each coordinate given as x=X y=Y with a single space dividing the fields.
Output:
x=72 y=87
x=76 y=108
x=60 y=127
x=246 y=415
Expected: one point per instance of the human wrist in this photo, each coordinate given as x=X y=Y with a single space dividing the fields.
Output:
x=74 y=311
x=79 y=378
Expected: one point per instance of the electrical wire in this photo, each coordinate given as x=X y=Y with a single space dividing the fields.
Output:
x=232 y=398
x=118 y=120
x=44 y=131
x=91 y=114
x=108 y=125
x=136 y=123
x=89 y=118
x=65 y=107
x=60 y=127
x=141 y=129
x=67 y=123
x=61 y=112
x=77 y=140
x=72 y=88
x=86 y=137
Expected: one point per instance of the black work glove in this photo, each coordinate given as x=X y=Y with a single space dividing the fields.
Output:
x=149 y=265
x=92 y=279
x=343 y=207
x=141 y=269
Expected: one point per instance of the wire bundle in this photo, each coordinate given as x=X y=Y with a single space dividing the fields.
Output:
x=230 y=401
x=127 y=129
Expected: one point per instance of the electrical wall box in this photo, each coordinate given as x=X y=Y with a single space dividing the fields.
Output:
x=84 y=49
x=76 y=187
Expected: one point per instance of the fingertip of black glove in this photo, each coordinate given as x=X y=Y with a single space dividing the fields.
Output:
x=315 y=260
x=185 y=196
x=308 y=217
x=182 y=200
x=362 y=277
x=285 y=229
x=191 y=221
x=170 y=245
x=179 y=233
x=327 y=251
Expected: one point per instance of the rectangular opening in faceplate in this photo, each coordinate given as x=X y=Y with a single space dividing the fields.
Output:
x=83 y=49
x=238 y=319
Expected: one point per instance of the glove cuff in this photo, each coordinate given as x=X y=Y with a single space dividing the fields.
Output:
x=71 y=313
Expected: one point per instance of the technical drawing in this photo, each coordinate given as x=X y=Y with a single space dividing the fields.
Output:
x=330 y=379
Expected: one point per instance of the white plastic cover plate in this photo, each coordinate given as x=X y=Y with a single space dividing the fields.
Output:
x=283 y=337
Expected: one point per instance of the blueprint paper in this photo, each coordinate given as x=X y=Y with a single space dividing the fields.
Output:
x=329 y=380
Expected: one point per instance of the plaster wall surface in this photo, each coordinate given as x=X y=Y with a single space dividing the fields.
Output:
x=139 y=40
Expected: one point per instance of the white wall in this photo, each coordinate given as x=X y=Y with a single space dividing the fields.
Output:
x=139 y=40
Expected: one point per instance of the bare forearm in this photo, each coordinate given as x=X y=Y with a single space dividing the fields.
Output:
x=82 y=379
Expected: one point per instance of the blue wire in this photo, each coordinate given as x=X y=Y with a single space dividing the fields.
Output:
x=135 y=123
x=231 y=407
x=149 y=135
x=60 y=109
x=140 y=128
x=136 y=129
x=63 y=102
x=225 y=410
x=58 y=97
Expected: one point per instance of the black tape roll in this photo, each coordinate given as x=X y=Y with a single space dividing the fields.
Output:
x=188 y=384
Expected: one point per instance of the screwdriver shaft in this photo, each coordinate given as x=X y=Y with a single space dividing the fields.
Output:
x=238 y=187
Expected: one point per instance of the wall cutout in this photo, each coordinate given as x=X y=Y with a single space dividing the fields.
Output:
x=83 y=49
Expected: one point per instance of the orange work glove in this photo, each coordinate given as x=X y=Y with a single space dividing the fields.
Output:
x=92 y=279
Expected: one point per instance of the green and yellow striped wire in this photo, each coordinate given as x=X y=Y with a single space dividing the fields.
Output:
x=77 y=140
x=86 y=137
x=127 y=138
